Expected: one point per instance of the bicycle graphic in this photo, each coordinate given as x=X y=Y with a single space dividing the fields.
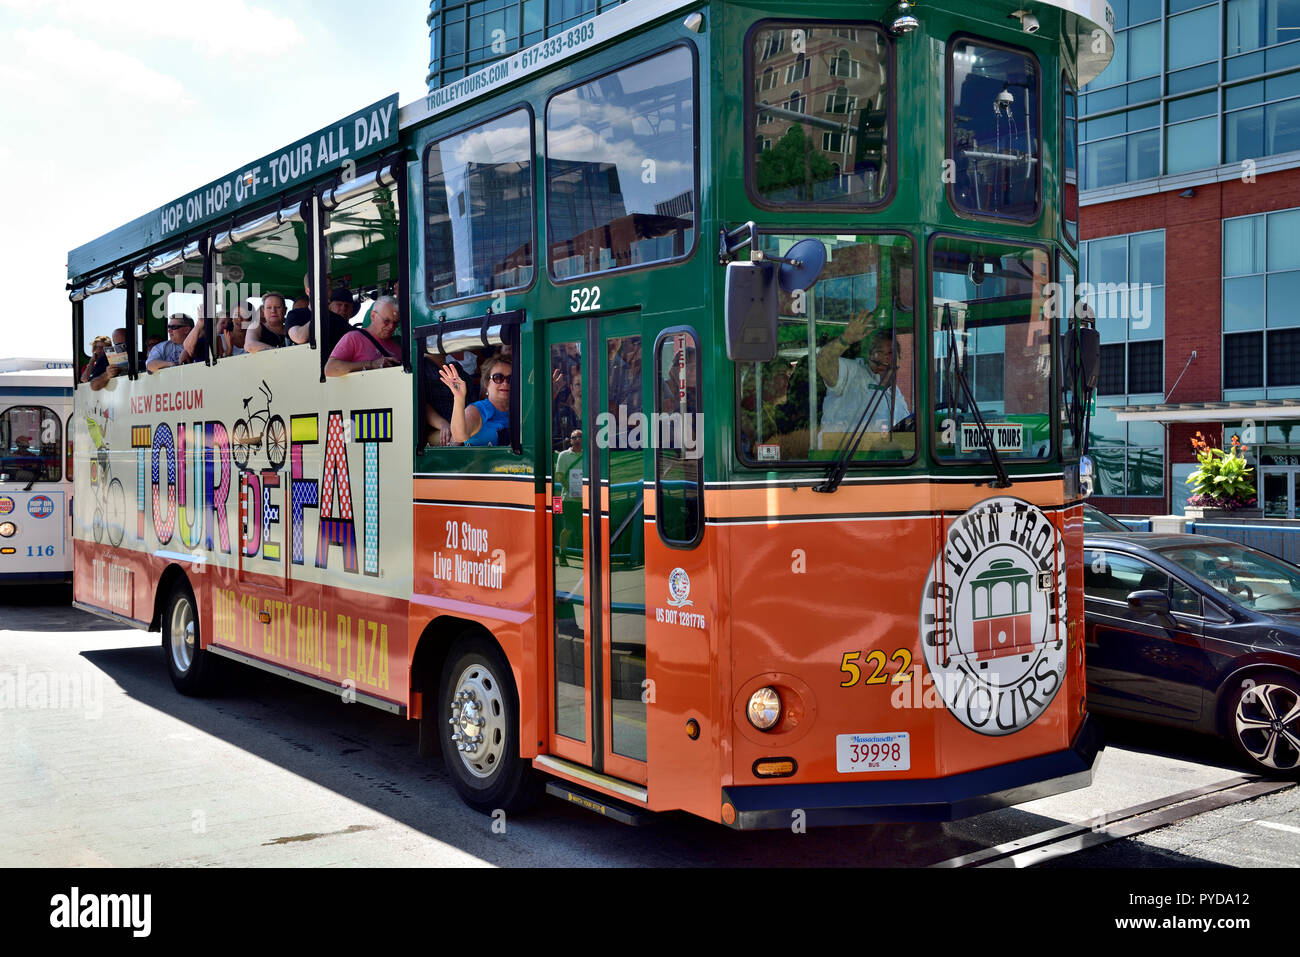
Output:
x=110 y=499
x=270 y=431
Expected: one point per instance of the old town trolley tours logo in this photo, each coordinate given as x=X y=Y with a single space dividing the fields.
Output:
x=993 y=616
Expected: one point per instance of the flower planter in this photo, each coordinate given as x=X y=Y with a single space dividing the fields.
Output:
x=1197 y=514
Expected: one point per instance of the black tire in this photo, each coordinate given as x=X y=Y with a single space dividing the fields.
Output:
x=490 y=776
x=187 y=662
x=239 y=443
x=1262 y=720
x=276 y=441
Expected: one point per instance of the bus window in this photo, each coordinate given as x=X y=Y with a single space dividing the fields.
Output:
x=479 y=209
x=31 y=444
x=993 y=130
x=1070 y=160
x=102 y=313
x=679 y=440
x=845 y=371
x=362 y=239
x=256 y=260
x=825 y=122
x=992 y=350
x=620 y=168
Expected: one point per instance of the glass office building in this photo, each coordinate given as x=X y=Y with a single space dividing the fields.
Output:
x=1190 y=169
x=466 y=35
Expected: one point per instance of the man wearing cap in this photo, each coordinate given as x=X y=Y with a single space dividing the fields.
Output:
x=342 y=307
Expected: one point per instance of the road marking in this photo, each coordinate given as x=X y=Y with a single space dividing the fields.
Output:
x=1289 y=828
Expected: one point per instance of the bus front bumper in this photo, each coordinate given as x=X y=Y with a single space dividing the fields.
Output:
x=772 y=806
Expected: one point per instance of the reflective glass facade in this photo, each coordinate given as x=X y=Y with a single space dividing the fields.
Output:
x=467 y=35
x=1193 y=85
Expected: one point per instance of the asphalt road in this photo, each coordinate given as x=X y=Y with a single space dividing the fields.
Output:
x=114 y=768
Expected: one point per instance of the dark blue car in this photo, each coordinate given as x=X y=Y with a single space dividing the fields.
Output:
x=1198 y=633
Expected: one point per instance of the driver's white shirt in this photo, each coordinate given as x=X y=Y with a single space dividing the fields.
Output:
x=849 y=397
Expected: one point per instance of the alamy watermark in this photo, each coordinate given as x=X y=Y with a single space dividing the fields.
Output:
x=52 y=690
x=1129 y=302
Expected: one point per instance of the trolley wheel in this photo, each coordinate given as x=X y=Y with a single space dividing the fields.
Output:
x=97 y=525
x=239 y=444
x=187 y=662
x=1262 y=718
x=478 y=715
x=116 y=513
x=277 y=442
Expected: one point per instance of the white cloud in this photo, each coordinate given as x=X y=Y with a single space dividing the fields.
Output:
x=216 y=29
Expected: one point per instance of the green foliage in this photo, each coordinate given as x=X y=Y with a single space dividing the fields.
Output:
x=790 y=168
x=1224 y=480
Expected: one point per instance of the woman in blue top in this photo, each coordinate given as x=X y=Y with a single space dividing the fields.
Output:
x=487 y=421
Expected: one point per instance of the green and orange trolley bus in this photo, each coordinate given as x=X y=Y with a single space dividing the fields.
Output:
x=769 y=508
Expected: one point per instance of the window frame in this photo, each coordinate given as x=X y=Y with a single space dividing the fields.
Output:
x=660 y=337
x=689 y=251
x=891 y=109
x=429 y=301
x=1068 y=87
x=855 y=465
x=48 y=414
x=1053 y=385
x=949 y=129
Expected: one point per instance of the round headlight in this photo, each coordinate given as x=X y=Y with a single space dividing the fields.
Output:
x=764 y=708
x=7 y=530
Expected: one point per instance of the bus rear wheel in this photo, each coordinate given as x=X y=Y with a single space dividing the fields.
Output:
x=479 y=728
x=187 y=662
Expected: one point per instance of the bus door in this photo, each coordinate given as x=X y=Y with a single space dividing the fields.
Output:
x=599 y=460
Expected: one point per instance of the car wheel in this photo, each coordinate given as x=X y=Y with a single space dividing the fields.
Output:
x=479 y=728
x=1263 y=720
x=187 y=662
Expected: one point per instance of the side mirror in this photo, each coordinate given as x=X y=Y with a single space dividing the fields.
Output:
x=752 y=307
x=1150 y=602
x=1084 y=346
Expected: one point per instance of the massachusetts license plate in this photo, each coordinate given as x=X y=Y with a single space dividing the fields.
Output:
x=886 y=751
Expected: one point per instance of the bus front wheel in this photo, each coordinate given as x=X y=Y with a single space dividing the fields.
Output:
x=479 y=717
x=187 y=662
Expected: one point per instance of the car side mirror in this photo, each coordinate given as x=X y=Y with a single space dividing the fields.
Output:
x=1149 y=601
x=752 y=309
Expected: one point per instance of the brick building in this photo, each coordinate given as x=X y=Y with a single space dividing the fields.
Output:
x=1190 y=168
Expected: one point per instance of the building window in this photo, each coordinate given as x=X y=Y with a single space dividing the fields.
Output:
x=1261 y=284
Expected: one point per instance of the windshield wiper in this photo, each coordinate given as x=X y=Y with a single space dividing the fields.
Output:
x=840 y=467
x=1002 y=481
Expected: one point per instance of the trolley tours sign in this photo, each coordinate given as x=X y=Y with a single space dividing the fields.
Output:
x=993 y=616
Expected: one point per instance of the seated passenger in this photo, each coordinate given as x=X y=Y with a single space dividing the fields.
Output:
x=98 y=358
x=436 y=399
x=374 y=348
x=171 y=351
x=342 y=308
x=486 y=422
x=114 y=361
x=852 y=385
x=270 y=331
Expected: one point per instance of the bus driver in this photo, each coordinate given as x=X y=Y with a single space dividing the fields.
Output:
x=852 y=386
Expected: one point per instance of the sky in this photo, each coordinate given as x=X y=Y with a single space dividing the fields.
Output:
x=112 y=108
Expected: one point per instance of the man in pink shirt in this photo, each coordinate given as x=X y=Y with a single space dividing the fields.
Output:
x=374 y=349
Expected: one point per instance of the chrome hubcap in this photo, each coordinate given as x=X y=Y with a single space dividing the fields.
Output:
x=478 y=721
x=182 y=635
x=1267 y=722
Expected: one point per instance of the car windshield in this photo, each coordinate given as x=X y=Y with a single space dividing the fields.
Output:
x=1095 y=520
x=1250 y=578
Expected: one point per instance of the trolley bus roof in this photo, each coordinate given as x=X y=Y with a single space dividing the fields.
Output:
x=1091 y=23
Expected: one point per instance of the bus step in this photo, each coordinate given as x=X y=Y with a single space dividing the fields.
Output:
x=615 y=810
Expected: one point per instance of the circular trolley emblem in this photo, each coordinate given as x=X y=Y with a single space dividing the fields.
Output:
x=679 y=588
x=40 y=506
x=6 y=504
x=993 y=616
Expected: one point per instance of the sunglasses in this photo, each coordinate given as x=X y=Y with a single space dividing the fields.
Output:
x=499 y=377
x=170 y=328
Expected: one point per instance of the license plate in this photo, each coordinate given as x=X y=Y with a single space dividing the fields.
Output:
x=885 y=751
